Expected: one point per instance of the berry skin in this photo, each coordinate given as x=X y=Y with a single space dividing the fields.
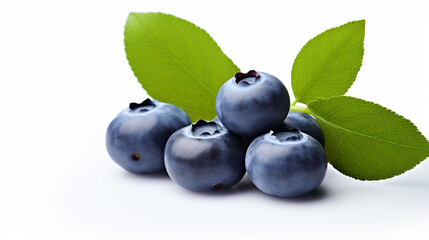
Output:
x=286 y=163
x=136 y=138
x=247 y=140
x=216 y=120
x=205 y=156
x=252 y=104
x=304 y=123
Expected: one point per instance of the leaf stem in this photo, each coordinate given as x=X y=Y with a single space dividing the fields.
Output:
x=301 y=109
x=294 y=102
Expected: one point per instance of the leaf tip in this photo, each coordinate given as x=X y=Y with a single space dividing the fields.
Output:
x=361 y=22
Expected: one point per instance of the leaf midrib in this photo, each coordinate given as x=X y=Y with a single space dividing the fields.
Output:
x=173 y=58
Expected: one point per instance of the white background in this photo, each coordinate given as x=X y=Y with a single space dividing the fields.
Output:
x=64 y=76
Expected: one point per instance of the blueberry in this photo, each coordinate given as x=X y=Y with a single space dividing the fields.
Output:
x=205 y=156
x=216 y=120
x=252 y=104
x=248 y=140
x=136 y=138
x=305 y=123
x=286 y=163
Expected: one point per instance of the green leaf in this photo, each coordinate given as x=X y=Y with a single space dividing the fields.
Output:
x=176 y=62
x=367 y=141
x=328 y=64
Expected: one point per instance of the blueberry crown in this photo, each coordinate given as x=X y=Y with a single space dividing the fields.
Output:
x=287 y=134
x=204 y=128
x=247 y=78
x=146 y=105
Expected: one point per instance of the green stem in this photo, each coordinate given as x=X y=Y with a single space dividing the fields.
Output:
x=300 y=109
x=294 y=102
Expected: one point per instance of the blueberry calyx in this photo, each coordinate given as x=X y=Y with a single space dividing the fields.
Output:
x=203 y=128
x=287 y=135
x=246 y=78
x=135 y=156
x=144 y=106
x=217 y=186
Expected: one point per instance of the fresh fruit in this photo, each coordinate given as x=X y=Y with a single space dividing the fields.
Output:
x=216 y=120
x=304 y=123
x=248 y=140
x=136 y=138
x=286 y=163
x=205 y=156
x=252 y=104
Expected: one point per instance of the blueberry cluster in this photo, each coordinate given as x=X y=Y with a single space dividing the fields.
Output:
x=254 y=132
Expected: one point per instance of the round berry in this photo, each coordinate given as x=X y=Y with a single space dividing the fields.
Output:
x=253 y=103
x=286 y=163
x=136 y=138
x=205 y=156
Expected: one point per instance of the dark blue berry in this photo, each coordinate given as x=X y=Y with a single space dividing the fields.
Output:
x=286 y=163
x=205 y=156
x=136 y=138
x=252 y=104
